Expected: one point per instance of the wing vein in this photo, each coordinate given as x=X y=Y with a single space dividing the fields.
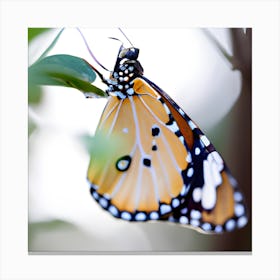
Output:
x=163 y=169
x=107 y=166
x=115 y=119
x=107 y=116
x=164 y=140
x=138 y=141
x=138 y=186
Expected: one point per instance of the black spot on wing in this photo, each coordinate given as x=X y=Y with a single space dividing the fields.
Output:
x=154 y=147
x=155 y=131
x=147 y=162
x=123 y=163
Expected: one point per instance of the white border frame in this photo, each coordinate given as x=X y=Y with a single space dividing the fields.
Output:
x=262 y=16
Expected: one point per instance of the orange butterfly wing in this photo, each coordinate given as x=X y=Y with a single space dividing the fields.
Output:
x=214 y=201
x=142 y=177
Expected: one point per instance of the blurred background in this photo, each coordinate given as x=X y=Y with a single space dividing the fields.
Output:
x=206 y=71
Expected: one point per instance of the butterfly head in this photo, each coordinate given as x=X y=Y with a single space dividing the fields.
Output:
x=126 y=69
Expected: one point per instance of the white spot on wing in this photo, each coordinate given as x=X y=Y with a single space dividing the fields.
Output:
x=125 y=130
x=190 y=172
x=238 y=196
x=205 y=140
x=130 y=91
x=103 y=202
x=181 y=112
x=181 y=138
x=175 y=202
x=197 y=194
x=95 y=195
x=113 y=210
x=166 y=108
x=183 y=220
x=232 y=181
x=184 y=211
x=208 y=199
x=195 y=214
x=126 y=216
x=192 y=125
x=194 y=223
x=218 y=160
x=206 y=226
x=217 y=178
x=197 y=151
x=218 y=228
x=140 y=217
x=239 y=210
x=189 y=157
x=165 y=209
x=184 y=191
x=154 y=215
x=174 y=127
x=230 y=225
x=212 y=179
x=122 y=164
x=242 y=221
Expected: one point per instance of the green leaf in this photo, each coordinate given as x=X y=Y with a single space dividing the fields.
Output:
x=35 y=32
x=88 y=89
x=64 y=70
x=60 y=65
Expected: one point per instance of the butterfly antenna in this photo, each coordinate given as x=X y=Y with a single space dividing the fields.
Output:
x=89 y=50
x=113 y=38
x=125 y=37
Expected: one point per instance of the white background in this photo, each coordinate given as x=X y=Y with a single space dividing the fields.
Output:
x=263 y=16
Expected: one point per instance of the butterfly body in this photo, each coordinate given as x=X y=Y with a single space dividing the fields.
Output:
x=162 y=167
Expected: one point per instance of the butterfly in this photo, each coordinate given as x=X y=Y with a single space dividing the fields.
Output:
x=159 y=165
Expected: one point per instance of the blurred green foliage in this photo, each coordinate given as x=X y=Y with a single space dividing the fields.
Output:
x=46 y=226
x=35 y=32
x=31 y=126
x=34 y=94
x=48 y=49
x=102 y=148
